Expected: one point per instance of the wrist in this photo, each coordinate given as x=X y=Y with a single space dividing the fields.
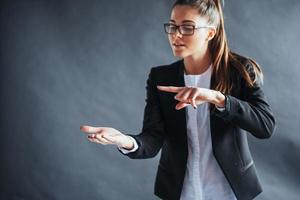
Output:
x=219 y=99
x=128 y=144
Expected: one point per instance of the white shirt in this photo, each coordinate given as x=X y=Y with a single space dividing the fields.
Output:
x=204 y=179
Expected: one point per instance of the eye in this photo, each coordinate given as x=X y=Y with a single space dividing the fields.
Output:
x=187 y=28
x=172 y=27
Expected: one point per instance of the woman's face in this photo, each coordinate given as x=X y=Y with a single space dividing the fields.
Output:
x=192 y=45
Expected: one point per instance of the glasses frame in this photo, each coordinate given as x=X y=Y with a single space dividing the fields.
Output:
x=178 y=28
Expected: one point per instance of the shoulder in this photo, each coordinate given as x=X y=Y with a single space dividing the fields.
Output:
x=166 y=68
x=166 y=71
x=243 y=60
x=250 y=66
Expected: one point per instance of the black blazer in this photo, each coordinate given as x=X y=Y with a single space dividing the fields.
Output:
x=164 y=127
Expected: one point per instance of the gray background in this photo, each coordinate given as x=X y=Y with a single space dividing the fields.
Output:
x=66 y=63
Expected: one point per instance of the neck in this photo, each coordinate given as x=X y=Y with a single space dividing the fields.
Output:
x=197 y=64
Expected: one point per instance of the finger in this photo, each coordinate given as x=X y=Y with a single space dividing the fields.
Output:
x=109 y=139
x=170 y=88
x=91 y=129
x=194 y=103
x=100 y=138
x=192 y=97
x=181 y=105
x=179 y=94
x=100 y=141
x=90 y=139
x=91 y=135
x=95 y=140
x=183 y=96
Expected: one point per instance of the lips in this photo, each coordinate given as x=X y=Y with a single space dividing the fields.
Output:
x=178 y=44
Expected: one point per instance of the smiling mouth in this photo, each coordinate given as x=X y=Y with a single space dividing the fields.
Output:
x=178 y=45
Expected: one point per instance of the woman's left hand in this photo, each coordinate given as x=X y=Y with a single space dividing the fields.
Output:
x=194 y=96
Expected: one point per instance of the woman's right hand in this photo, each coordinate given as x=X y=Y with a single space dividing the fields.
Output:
x=107 y=135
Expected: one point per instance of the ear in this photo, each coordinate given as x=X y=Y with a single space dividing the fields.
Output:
x=211 y=33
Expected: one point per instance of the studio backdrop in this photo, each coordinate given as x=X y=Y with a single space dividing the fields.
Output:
x=66 y=63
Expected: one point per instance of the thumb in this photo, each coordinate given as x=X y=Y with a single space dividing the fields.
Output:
x=181 y=105
x=89 y=129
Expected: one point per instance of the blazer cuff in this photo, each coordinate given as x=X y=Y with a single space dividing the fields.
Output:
x=220 y=108
x=223 y=112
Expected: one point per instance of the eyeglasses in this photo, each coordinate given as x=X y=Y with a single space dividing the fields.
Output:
x=183 y=29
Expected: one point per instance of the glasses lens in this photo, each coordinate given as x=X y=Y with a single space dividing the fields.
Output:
x=184 y=29
x=170 y=28
x=187 y=29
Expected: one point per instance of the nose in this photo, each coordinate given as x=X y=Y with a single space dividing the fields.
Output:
x=177 y=33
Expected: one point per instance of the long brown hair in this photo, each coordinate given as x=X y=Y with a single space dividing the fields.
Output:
x=223 y=59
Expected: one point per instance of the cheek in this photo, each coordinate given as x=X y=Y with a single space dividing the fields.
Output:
x=194 y=42
x=170 y=39
x=199 y=40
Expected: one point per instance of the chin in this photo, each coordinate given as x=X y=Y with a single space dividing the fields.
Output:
x=179 y=54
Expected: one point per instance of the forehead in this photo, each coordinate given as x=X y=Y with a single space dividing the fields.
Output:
x=181 y=13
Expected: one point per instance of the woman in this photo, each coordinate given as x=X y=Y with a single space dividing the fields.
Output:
x=204 y=148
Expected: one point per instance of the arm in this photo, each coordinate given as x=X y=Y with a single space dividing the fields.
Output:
x=150 y=140
x=252 y=114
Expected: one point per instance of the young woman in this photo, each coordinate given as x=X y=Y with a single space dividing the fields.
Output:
x=199 y=111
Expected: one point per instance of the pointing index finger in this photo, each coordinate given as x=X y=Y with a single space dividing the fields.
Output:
x=169 y=88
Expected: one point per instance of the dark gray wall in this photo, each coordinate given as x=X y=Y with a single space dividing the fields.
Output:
x=66 y=63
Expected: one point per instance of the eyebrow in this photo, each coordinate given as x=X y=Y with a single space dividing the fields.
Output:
x=171 y=20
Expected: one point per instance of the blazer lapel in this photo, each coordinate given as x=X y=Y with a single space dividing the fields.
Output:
x=180 y=115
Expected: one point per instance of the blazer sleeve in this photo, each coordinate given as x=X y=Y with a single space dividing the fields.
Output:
x=253 y=113
x=151 y=138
